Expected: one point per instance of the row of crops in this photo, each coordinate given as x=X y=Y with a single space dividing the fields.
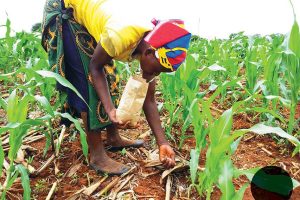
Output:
x=257 y=75
x=27 y=85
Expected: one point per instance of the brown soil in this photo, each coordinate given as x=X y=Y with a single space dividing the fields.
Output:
x=249 y=154
x=146 y=181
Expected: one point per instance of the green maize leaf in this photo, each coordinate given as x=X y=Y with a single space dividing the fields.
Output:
x=264 y=110
x=61 y=80
x=193 y=81
x=194 y=164
x=17 y=109
x=206 y=111
x=225 y=145
x=216 y=67
x=45 y=104
x=236 y=107
x=196 y=121
x=189 y=95
x=81 y=131
x=234 y=145
x=33 y=122
x=240 y=194
x=15 y=141
x=3 y=104
x=200 y=95
x=247 y=172
x=15 y=175
x=4 y=78
x=258 y=129
x=194 y=110
x=45 y=117
x=195 y=56
x=186 y=124
x=213 y=87
x=258 y=85
x=285 y=102
x=294 y=40
x=170 y=79
x=11 y=106
x=48 y=142
x=8 y=76
x=221 y=88
x=297 y=149
x=25 y=181
x=22 y=108
x=26 y=88
x=9 y=126
x=222 y=127
x=225 y=180
x=1 y=157
x=187 y=67
x=204 y=74
x=8 y=28
x=263 y=129
x=28 y=123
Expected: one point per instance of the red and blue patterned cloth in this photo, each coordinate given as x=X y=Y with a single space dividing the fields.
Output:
x=171 y=41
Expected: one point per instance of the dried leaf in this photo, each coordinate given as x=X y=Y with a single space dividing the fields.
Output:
x=88 y=191
x=74 y=169
x=168 y=188
x=178 y=167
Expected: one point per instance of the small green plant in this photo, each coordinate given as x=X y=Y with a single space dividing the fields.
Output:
x=123 y=152
x=41 y=186
x=29 y=160
x=74 y=179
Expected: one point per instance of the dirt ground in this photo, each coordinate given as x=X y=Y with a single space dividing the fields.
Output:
x=71 y=172
x=145 y=183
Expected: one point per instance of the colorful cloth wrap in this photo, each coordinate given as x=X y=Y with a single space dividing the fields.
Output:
x=57 y=27
x=171 y=41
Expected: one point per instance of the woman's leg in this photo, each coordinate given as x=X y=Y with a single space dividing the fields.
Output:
x=74 y=71
x=99 y=160
x=117 y=142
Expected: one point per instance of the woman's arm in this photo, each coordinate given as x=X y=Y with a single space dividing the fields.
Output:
x=166 y=153
x=99 y=59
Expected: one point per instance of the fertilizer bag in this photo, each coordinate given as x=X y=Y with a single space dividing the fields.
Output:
x=132 y=100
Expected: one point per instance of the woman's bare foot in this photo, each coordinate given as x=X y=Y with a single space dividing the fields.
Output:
x=104 y=164
x=99 y=160
x=117 y=142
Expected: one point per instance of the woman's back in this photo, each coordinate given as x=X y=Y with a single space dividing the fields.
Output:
x=117 y=29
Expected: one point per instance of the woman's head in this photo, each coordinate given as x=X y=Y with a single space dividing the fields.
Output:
x=164 y=48
x=150 y=64
x=170 y=42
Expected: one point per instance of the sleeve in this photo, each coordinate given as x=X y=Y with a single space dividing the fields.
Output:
x=117 y=40
x=113 y=42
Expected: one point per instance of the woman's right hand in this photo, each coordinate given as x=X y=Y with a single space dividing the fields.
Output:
x=112 y=114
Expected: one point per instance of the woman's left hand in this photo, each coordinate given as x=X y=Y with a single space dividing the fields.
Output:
x=167 y=155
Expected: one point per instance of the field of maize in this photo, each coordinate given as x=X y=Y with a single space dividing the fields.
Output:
x=232 y=108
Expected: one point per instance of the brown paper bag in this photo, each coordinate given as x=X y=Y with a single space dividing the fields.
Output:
x=132 y=100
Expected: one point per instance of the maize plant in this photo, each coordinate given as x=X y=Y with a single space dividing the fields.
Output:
x=293 y=70
x=30 y=87
x=249 y=69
